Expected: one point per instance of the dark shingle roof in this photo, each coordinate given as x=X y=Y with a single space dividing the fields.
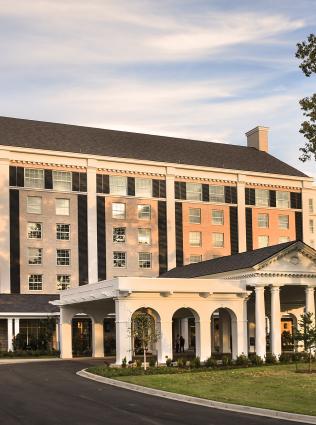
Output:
x=244 y=260
x=27 y=303
x=122 y=144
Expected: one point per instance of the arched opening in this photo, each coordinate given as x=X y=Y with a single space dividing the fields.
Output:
x=185 y=333
x=288 y=325
x=224 y=333
x=137 y=346
x=81 y=336
x=109 y=335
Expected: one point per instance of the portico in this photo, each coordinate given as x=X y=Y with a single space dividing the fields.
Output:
x=241 y=298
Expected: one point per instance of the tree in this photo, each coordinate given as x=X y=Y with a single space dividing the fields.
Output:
x=144 y=330
x=307 y=333
x=306 y=51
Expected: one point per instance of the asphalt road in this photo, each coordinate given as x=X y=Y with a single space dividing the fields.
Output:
x=51 y=393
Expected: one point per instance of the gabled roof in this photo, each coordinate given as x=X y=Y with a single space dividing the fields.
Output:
x=243 y=260
x=121 y=144
x=27 y=303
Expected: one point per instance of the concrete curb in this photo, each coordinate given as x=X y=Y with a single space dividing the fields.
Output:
x=34 y=360
x=200 y=401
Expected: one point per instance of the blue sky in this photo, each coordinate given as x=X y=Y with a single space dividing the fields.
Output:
x=209 y=70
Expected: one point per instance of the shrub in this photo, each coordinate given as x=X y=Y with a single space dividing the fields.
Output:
x=153 y=362
x=139 y=363
x=242 y=360
x=256 y=360
x=181 y=362
x=195 y=363
x=285 y=358
x=168 y=362
x=226 y=361
x=124 y=363
x=271 y=358
x=210 y=362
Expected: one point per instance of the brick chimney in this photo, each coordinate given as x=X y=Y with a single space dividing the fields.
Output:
x=258 y=138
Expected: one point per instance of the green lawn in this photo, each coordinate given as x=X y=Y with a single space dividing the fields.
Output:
x=272 y=387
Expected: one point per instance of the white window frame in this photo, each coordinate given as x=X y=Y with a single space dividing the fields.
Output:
x=33 y=256
x=263 y=220
x=119 y=238
x=29 y=230
x=62 y=181
x=194 y=191
x=143 y=188
x=118 y=185
x=311 y=205
x=195 y=215
x=286 y=224
x=260 y=238
x=262 y=197
x=143 y=262
x=141 y=215
x=144 y=236
x=195 y=259
x=218 y=240
x=62 y=210
x=61 y=232
x=195 y=238
x=283 y=239
x=63 y=258
x=116 y=214
x=311 y=226
x=282 y=199
x=34 y=178
x=30 y=209
x=35 y=276
x=63 y=286
x=217 y=194
x=118 y=260
x=219 y=220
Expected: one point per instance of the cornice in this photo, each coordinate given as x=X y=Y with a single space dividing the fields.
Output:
x=46 y=164
x=140 y=173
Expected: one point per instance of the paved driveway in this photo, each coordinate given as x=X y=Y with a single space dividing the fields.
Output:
x=51 y=393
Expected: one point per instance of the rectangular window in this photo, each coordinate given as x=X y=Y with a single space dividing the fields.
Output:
x=63 y=282
x=119 y=259
x=311 y=205
x=194 y=191
x=144 y=236
x=34 y=205
x=217 y=217
x=283 y=239
x=119 y=234
x=34 y=178
x=118 y=185
x=195 y=238
x=35 y=282
x=34 y=230
x=311 y=226
x=283 y=221
x=62 y=180
x=144 y=260
x=62 y=206
x=195 y=259
x=263 y=220
x=34 y=256
x=63 y=232
x=118 y=211
x=217 y=194
x=263 y=241
x=63 y=257
x=144 y=212
x=143 y=188
x=262 y=197
x=282 y=199
x=218 y=240
x=195 y=215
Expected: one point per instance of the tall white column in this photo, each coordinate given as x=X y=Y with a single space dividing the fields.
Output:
x=10 y=334
x=275 y=331
x=4 y=224
x=203 y=339
x=92 y=222
x=66 y=333
x=185 y=332
x=260 y=322
x=310 y=300
x=123 y=324
x=241 y=211
x=165 y=341
x=16 y=326
x=171 y=225
x=97 y=338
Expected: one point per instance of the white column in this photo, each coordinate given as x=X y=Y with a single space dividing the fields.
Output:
x=260 y=322
x=16 y=326
x=4 y=224
x=97 y=338
x=66 y=333
x=241 y=211
x=57 y=330
x=185 y=332
x=310 y=300
x=92 y=222
x=203 y=339
x=123 y=331
x=275 y=331
x=10 y=334
x=171 y=225
x=165 y=342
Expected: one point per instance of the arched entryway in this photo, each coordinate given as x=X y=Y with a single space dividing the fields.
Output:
x=136 y=344
x=81 y=336
x=224 y=333
x=288 y=326
x=184 y=332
